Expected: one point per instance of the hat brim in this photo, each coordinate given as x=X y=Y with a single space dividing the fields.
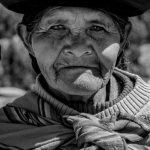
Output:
x=127 y=8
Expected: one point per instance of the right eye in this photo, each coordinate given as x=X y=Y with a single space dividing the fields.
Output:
x=58 y=27
x=97 y=28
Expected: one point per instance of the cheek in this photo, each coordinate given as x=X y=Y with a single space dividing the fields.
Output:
x=107 y=51
x=110 y=53
x=108 y=57
x=46 y=51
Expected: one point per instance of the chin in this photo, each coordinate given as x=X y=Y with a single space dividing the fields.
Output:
x=65 y=82
x=71 y=89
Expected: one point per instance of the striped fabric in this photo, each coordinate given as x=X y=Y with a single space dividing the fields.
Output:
x=41 y=122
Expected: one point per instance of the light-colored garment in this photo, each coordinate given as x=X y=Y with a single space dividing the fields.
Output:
x=9 y=94
x=39 y=121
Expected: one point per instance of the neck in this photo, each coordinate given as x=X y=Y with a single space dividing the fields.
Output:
x=64 y=97
x=107 y=93
x=85 y=98
x=96 y=104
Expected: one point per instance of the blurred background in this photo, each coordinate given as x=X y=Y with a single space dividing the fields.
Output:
x=15 y=69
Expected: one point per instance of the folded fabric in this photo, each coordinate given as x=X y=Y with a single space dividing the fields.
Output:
x=39 y=121
x=81 y=131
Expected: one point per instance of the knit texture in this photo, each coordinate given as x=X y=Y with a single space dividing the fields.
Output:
x=131 y=100
x=41 y=122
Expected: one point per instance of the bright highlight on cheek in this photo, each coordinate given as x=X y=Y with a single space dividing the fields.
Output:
x=111 y=52
x=109 y=55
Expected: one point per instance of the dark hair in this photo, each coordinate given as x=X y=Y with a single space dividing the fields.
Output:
x=31 y=20
x=122 y=23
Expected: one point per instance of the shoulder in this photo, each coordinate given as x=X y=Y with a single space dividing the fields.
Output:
x=140 y=94
x=28 y=100
x=9 y=94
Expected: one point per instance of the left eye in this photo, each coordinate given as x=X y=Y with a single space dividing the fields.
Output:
x=96 y=28
x=58 y=27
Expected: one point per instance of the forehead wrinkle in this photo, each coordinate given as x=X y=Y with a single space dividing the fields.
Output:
x=99 y=17
x=75 y=17
x=57 y=17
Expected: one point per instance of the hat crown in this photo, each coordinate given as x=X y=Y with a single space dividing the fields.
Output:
x=126 y=8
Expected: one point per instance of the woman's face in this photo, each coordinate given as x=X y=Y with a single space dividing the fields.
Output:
x=68 y=41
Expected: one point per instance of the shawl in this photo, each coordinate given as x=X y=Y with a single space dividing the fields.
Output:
x=41 y=122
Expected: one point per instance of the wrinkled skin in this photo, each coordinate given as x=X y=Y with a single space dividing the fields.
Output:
x=67 y=41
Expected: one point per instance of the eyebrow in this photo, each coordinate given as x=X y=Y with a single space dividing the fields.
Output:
x=59 y=21
x=51 y=21
x=96 y=21
x=56 y=21
x=65 y=21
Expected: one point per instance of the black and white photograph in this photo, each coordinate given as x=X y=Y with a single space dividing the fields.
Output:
x=74 y=75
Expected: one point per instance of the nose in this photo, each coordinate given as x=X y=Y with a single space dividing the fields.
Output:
x=78 y=51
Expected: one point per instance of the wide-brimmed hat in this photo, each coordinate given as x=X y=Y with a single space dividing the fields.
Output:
x=125 y=8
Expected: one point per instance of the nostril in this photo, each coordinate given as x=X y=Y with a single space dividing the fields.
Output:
x=77 y=52
x=88 y=52
x=68 y=52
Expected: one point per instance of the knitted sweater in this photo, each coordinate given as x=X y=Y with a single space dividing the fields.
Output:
x=40 y=121
x=134 y=101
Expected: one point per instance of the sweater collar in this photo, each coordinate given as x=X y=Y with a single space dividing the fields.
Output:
x=131 y=99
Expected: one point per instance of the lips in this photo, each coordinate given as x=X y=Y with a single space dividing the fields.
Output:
x=71 y=72
x=77 y=67
x=89 y=63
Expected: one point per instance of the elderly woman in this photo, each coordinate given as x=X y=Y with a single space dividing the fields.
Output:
x=82 y=98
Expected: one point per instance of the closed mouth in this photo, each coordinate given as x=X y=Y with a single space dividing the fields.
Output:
x=94 y=69
x=79 y=67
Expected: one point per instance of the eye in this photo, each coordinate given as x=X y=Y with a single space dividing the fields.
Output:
x=96 y=28
x=58 y=27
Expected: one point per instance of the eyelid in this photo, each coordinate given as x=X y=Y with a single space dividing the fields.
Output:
x=58 y=25
x=106 y=28
x=41 y=30
x=100 y=25
x=45 y=29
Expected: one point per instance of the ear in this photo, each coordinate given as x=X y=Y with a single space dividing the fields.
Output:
x=23 y=34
